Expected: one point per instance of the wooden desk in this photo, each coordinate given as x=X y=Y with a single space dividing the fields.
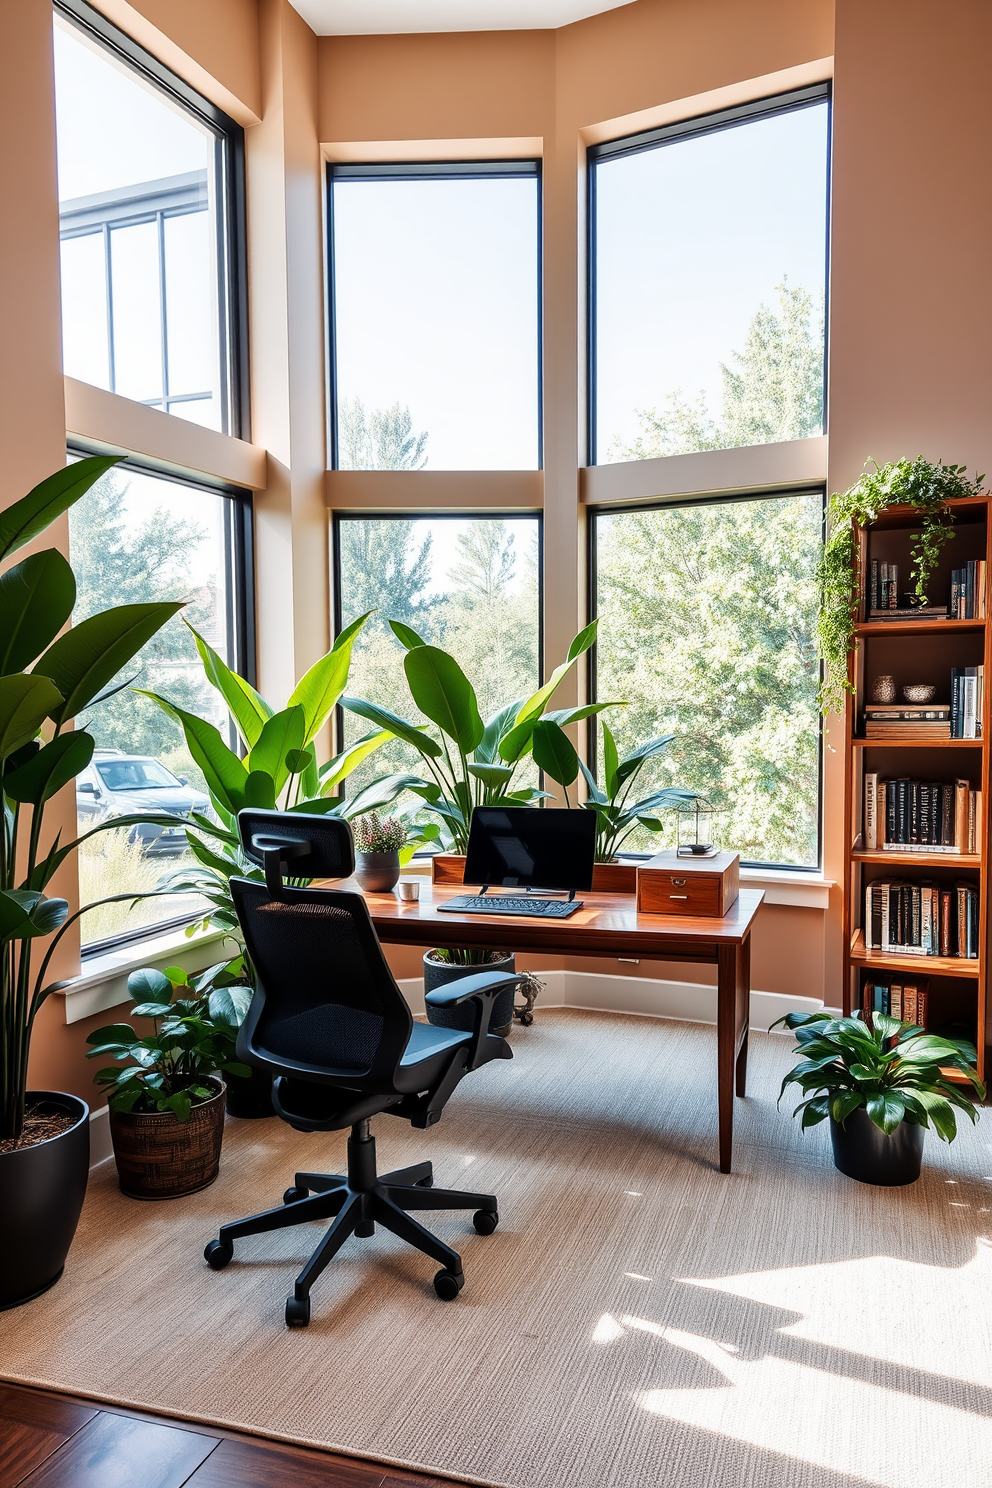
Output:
x=607 y=925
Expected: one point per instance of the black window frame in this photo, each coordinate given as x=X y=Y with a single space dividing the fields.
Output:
x=417 y=515
x=423 y=170
x=668 y=134
x=232 y=247
x=240 y=620
x=606 y=509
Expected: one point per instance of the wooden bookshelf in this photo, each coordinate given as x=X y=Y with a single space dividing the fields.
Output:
x=919 y=651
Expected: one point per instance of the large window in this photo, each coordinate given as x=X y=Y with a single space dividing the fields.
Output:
x=707 y=629
x=468 y=584
x=148 y=188
x=435 y=318
x=136 y=537
x=708 y=259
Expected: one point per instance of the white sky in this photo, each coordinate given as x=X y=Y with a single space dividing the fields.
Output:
x=691 y=238
x=436 y=306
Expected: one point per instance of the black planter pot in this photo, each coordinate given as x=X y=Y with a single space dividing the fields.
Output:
x=250 y=1098
x=378 y=872
x=440 y=973
x=864 y=1152
x=41 y=1194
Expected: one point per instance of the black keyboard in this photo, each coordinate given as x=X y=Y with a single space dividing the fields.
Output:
x=552 y=909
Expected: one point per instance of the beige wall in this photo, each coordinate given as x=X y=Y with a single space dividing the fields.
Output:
x=910 y=295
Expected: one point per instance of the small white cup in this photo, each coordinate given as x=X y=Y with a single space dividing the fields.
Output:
x=408 y=890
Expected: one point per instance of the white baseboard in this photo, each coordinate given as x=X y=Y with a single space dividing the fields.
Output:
x=593 y=991
x=684 y=1002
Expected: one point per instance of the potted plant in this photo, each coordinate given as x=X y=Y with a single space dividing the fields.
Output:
x=44 y=1135
x=617 y=816
x=916 y=483
x=880 y=1085
x=377 y=851
x=443 y=965
x=165 y=1088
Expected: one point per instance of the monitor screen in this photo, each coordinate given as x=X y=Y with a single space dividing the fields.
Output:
x=525 y=847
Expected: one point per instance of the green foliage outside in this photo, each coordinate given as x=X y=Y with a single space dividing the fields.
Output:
x=379 y=439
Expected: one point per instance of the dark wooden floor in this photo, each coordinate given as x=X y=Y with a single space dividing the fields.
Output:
x=61 y=1441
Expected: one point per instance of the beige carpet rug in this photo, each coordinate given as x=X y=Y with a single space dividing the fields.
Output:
x=637 y=1319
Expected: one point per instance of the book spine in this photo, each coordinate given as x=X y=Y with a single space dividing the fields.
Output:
x=969 y=590
x=972 y=832
x=876 y=916
x=979 y=699
x=895 y=1000
x=874 y=584
x=871 y=811
x=885 y=907
x=922 y=1004
x=916 y=916
x=969 y=717
x=881 y=813
x=962 y=919
x=926 y=921
x=893 y=586
x=961 y=791
x=909 y=1002
x=952 y=608
x=945 y=922
x=902 y=811
x=980 y=589
x=955 y=703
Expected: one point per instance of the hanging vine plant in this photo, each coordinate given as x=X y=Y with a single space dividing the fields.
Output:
x=918 y=483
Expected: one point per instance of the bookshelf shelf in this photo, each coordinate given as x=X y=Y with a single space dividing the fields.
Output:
x=917 y=627
x=920 y=651
x=883 y=961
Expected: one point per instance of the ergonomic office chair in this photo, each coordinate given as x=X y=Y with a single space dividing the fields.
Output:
x=329 y=1021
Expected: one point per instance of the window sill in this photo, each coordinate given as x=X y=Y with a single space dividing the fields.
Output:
x=103 y=982
x=807 y=890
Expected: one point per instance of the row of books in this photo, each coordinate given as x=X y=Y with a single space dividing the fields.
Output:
x=967 y=700
x=907 y=815
x=966 y=600
x=921 y=919
x=908 y=1001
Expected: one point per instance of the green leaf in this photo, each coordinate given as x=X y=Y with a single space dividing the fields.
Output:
x=334 y=770
x=36 y=599
x=225 y=774
x=281 y=735
x=398 y=727
x=406 y=635
x=248 y=708
x=554 y=753
x=498 y=725
x=82 y=662
x=565 y=716
x=516 y=742
x=378 y=793
x=26 y=518
x=492 y=775
x=535 y=704
x=582 y=642
x=320 y=688
x=179 y=1103
x=886 y=1111
x=442 y=691
x=844 y=1103
x=25 y=702
x=610 y=761
x=24 y=914
x=50 y=769
x=151 y=1010
x=148 y=985
x=597 y=797
x=260 y=791
x=229 y=1006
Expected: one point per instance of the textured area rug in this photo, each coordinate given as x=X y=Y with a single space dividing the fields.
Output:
x=637 y=1319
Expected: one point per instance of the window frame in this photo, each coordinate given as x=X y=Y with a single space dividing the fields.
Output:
x=232 y=245
x=666 y=134
x=526 y=168
x=468 y=515
x=240 y=625
x=708 y=499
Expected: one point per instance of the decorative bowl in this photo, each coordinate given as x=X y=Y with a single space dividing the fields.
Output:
x=919 y=692
x=883 y=690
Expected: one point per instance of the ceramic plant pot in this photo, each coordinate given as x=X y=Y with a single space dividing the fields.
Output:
x=440 y=973
x=377 y=872
x=864 y=1152
x=41 y=1194
x=160 y=1157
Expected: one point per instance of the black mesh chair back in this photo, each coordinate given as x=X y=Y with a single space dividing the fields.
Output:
x=296 y=844
x=326 y=1002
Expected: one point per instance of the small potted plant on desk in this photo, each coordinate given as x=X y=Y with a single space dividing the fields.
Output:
x=378 y=841
x=880 y=1085
x=166 y=1088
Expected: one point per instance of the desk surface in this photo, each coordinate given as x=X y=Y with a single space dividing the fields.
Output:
x=606 y=925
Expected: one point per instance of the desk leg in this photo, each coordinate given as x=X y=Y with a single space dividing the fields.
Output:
x=733 y=994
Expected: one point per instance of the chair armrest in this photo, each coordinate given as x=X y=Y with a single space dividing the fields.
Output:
x=465 y=988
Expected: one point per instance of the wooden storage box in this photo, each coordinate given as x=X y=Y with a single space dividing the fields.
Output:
x=668 y=884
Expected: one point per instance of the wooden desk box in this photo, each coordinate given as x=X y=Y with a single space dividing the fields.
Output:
x=668 y=884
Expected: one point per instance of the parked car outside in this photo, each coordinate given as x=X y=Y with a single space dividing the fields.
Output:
x=119 y=784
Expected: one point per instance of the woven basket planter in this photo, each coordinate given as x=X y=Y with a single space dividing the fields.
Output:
x=160 y=1157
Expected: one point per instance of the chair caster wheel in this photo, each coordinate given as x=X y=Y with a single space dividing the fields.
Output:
x=448 y=1284
x=297 y=1312
x=294 y=1194
x=485 y=1221
x=217 y=1254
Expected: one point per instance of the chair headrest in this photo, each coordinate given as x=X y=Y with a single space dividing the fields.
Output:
x=296 y=844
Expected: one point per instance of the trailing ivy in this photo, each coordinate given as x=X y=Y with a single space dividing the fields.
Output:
x=918 y=483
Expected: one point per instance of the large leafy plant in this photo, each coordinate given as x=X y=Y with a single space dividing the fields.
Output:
x=893 y=1070
x=45 y=680
x=469 y=762
x=617 y=816
x=917 y=483
x=194 y=1031
x=279 y=768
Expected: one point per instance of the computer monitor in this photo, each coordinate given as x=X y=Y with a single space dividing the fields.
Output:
x=525 y=847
